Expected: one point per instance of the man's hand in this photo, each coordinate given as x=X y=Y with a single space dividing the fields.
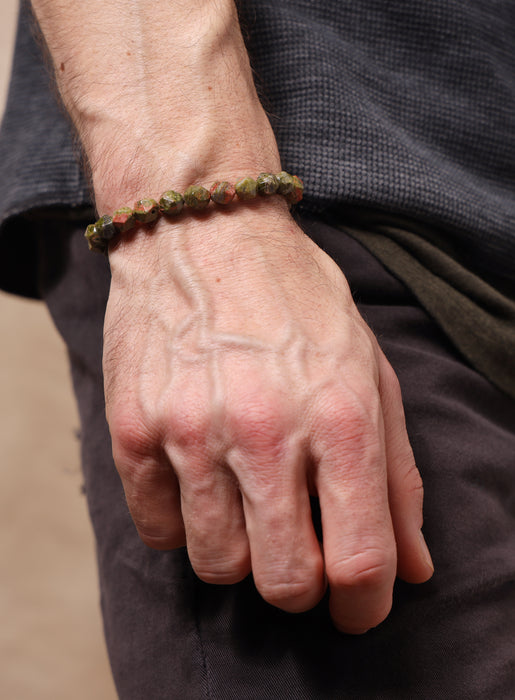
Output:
x=240 y=379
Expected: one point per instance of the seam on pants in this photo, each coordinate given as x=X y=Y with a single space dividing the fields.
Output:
x=196 y=618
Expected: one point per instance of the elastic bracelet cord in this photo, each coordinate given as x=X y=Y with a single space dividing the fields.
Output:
x=196 y=198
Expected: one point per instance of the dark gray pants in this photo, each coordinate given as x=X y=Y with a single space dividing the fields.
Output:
x=171 y=636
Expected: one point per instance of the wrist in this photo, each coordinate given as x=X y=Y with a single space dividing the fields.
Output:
x=196 y=199
x=130 y=169
x=211 y=238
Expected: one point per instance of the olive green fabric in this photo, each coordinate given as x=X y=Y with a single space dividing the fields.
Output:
x=477 y=318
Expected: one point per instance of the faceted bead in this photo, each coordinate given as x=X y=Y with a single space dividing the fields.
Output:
x=95 y=240
x=246 y=188
x=123 y=219
x=267 y=184
x=197 y=197
x=298 y=191
x=105 y=227
x=171 y=203
x=100 y=233
x=146 y=210
x=222 y=192
x=286 y=183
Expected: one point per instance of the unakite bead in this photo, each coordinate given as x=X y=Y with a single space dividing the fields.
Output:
x=146 y=210
x=171 y=203
x=267 y=184
x=197 y=197
x=246 y=188
x=222 y=192
x=105 y=227
x=298 y=190
x=124 y=219
x=100 y=233
x=286 y=183
x=95 y=240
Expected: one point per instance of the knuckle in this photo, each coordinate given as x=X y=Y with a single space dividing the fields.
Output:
x=224 y=570
x=137 y=476
x=355 y=410
x=357 y=422
x=413 y=484
x=157 y=528
x=154 y=540
x=188 y=427
x=158 y=520
x=292 y=596
x=371 y=569
x=411 y=490
x=349 y=422
x=259 y=423
x=295 y=587
x=131 y=434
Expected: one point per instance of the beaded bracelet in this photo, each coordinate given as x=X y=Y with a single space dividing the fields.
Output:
x=196 y=197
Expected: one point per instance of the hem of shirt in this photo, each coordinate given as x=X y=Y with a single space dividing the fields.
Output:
x=20 y=229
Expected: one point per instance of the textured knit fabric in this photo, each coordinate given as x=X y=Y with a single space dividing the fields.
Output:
x=402 y=106
x=39 y=166
x=407 y=106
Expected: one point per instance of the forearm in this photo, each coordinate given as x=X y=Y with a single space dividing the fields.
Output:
x=161 y=93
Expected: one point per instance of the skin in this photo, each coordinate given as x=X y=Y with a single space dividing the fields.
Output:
x=239 y=376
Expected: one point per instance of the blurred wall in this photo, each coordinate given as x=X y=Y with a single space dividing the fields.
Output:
x=51 y=644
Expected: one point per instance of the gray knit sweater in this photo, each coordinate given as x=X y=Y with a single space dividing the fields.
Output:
x=401 y=107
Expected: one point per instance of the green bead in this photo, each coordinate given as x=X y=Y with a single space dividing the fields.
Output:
x=286 y=183
x=95 y=240
x=124 y=219
x=298 y=191
x=100 y=233
x=105 y=227
x=171 y=203
x=267 y=184
x=246 y=188
x=222 y=192
x=197 y=197
x=146 y=210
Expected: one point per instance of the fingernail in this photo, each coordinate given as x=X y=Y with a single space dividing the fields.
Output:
x=425 y=552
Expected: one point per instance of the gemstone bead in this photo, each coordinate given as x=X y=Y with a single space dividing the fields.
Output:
x=123 y=219
x=146 y=210
x=267 y=184
x=197 y=197
x=246 y=188
x=105 y=227
x=100 y=233
x=95 y=240
x=286 y=183
x=222 y=192
x=171 y=203
x=298 y=190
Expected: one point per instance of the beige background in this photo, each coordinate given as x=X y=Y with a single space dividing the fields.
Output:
x=51 y=644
